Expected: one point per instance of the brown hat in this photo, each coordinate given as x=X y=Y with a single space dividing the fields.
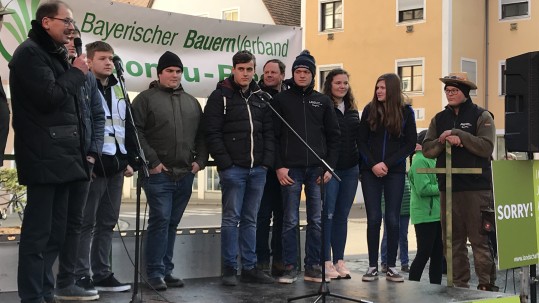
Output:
x=458 y=78
x=4 y=11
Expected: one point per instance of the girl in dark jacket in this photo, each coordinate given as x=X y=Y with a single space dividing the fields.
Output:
x=340 y=195
x=387 y=135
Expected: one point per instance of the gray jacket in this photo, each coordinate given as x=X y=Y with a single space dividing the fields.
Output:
x=169 y=122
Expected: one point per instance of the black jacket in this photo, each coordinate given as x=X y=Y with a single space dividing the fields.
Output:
x=93 y=116
x=467 y=121
x=4 y=123
x=348 y=148
x=240 y=133
x=380 y=146
x=312 y=116
x=45 y=91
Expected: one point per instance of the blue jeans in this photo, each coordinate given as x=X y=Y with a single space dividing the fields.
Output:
x=392 y=185
x=291 y=198
x=167 y=199
x=339 y=197
x=403 y=241
x=242 y=190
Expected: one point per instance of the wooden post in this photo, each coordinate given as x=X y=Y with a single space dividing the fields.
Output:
x=449 y=171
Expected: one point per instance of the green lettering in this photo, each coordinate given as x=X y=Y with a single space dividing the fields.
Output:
x=134 y=68
x=188 y=77
x=199 y=42
x=217 y=44
x=173 y=36
x=166 y=36
x=190 y=39
x=224 y=71
x=88 y=20
x=149 y=67
x=98 y=30
x=118 y=30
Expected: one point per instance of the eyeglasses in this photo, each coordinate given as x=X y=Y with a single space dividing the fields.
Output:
x=67 y=21
x=451 y=91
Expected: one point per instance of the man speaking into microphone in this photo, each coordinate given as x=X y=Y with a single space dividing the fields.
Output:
x=49 y=151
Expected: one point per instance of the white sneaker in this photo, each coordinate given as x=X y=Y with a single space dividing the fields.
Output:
x=331 y=272
x=344 y=273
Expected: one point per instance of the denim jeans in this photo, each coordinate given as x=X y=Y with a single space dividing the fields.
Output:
x=42 y=235
x=271 y=209
x=339 y=197
x=291 y=198
x=167 y=199
x=404 y=220
x=100 y=217
x=392 y=185
x=242 y=190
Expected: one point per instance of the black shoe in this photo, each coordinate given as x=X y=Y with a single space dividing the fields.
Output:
x=157 y=284
x=405 y=268
x=289 y=276
x=111 y=284
x=229 y=276
x=263 y=266
x=86 y=283
x=172 y=281
x=255 y=275
x=277 y=269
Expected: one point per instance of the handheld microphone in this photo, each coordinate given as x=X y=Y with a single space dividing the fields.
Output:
x=78 y=46
x=118 y=65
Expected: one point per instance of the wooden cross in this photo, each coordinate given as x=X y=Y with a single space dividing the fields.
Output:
x=449 y=171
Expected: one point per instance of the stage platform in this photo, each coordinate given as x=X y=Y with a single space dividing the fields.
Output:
x=210 y=290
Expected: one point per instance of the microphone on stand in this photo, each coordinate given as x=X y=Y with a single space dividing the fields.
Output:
x=78 y=46
x=118 y=66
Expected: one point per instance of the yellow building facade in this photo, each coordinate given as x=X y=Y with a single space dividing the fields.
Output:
x=421 y=40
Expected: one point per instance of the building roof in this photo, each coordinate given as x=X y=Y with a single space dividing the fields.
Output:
x=284 y=12
x=143 y=3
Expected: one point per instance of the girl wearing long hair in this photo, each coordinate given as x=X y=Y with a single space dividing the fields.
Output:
x=339 y=196
x=387 y=136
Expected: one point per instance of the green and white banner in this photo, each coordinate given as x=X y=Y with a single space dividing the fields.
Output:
x=516 y=199
x=141 y=35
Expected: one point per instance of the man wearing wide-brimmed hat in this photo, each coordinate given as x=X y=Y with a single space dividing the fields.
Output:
x=471 y=132
x=4 y=108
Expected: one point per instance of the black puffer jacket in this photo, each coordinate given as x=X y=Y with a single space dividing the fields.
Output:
x=312 y=116
x=44 y=92
x=242 y=132
x=348 y=149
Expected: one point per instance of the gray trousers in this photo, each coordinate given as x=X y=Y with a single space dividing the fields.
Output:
x=100 y=216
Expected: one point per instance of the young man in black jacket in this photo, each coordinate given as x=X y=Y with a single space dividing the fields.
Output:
x=239 y=136
x=312 y=116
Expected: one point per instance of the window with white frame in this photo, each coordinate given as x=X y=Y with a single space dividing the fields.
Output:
x=469 y=66
x=411 y=74
x=502 y=78
x=323 y=71
x=514 y=8
x=231 y=15
x=410 y=10
x=331 y=15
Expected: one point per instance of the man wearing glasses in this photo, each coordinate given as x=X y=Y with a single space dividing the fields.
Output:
x=471 y=132
x=45 y=89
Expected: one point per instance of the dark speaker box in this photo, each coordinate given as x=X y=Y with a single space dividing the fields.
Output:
x=522 y=103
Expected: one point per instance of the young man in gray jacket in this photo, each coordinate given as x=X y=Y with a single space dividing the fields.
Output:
x=169 y=122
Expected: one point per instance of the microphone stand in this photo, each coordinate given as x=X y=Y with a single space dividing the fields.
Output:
x=144 y=173
x=323 y=290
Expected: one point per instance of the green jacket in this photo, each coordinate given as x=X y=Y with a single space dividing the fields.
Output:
x=425 y=196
